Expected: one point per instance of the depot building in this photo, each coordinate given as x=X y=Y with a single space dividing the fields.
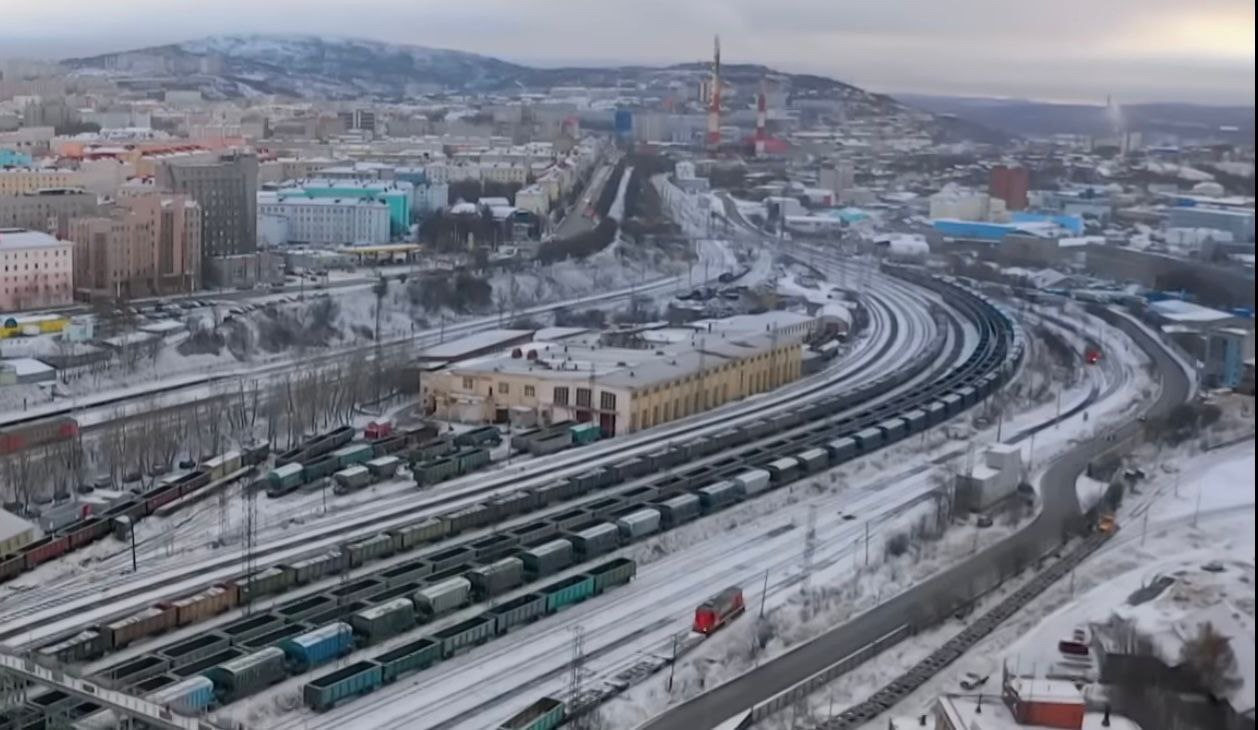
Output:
x=622 y=388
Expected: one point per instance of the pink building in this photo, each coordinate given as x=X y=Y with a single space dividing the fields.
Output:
x=38 y=270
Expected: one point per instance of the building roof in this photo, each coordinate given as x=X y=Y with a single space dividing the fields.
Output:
x=473 y=343
x=1181 y=311
x=22 y=238
x=992 y=714
x=11 y=525
x=25 y=366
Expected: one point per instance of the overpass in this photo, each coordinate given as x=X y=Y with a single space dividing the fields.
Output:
x=25 y=670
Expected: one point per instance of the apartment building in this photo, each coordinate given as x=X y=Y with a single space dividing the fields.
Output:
x=46 y=209
x=328 y=220
x=227 y=192
x=148 y=245
x=38 y=270
x=19 y=180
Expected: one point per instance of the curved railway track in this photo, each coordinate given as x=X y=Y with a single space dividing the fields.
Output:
x=383 y=514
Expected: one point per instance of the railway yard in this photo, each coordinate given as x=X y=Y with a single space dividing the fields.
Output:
x=320 y=587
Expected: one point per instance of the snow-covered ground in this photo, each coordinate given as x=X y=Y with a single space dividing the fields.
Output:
x=1196 y=512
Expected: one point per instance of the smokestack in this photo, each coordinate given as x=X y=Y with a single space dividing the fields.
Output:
x=714 y=111
x=762 y=121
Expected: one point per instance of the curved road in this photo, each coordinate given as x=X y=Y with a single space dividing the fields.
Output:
x=1060 y=512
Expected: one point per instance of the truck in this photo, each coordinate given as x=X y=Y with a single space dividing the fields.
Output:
x=719 y=610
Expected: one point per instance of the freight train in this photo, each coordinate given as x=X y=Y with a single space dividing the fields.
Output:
x=243 y=658
x=122 y=515
x=326 y=455
x=681 y=494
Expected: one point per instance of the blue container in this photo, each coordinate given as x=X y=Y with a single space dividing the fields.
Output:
x=318 y=646
x=191 y=696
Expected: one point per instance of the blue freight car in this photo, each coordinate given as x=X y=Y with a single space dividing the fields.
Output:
x=319 y=646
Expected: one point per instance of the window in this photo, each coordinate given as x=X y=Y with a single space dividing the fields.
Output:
x=530 y=391
x=468 y=383
x=584 y=398
x=607 y=401
x=504 y=389
x=561 y=395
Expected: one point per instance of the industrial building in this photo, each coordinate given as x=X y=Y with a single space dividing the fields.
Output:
x=1237 y=222
x=623 y=389
x=1219 y=341
x=1010 y=184
x=991 y=481
x=15 y=533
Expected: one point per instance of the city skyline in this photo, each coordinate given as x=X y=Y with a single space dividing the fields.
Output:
x=1136 y=51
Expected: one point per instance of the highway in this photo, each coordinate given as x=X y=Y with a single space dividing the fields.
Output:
x=1060 y=511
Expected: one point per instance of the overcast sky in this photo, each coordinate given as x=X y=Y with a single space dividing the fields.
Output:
x=1137 y=50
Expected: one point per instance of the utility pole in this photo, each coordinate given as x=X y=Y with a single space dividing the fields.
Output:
x=578 y=666
x=810 y=549
x=248 y=560
x=672 y=665
x=131 y=524
x=866 y=543
x=1144 y=530
x=764 y=593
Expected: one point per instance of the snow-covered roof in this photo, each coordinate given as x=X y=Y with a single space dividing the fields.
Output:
x=24 y=366
x=1182 y=311
x=11 y=525
x=22 y=238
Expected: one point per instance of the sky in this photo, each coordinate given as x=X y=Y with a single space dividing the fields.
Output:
x=1066 y=50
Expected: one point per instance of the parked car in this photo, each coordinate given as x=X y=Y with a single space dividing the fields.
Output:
x=973 y=680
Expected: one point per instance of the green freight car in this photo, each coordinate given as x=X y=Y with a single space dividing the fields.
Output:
x=545 y=714
x=585 y=433
x=573 y=589
x=613 y=573
x=353 y=454
x=433 y=472
x=285 y=478
x=323 y=693
x=413 y=657
x=469 y=460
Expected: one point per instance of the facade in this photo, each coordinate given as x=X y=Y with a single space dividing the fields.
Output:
x=327 y=220
x=42 y=210
x=623 y=390
x=955 y=203
x=1239 y=223
x=838 y=177
x=38 y=270
x=1011 y=185
x=19 y=180
x=147 y=246
x=227 y=191
x=362 y=120
x=396 y=194
x=13 y=158
x=533 y=199
x=504 y=172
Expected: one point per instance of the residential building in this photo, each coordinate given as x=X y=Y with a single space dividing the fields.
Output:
x=13 y=158
x=396 y=194
x=46 y=209
x=956 y=203
x=363 y=120
x=533 y=199
x=622 y=389
x=1238 y=222
x=148 y=245
x=339 y=221
x=18 y=180
x=1010 y=184
x=38 y=270
x=838 y=177
x=227 y=191
x=33 y=141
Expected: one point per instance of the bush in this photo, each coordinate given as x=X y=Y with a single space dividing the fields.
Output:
x=579 y=246
x=1182 y=423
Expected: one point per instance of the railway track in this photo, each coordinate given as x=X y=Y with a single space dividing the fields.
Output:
x=539 y=648
x=977 y=367
x=398 y=510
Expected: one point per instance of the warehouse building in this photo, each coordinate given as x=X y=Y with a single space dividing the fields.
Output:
x=15 y=533
x=622 y=389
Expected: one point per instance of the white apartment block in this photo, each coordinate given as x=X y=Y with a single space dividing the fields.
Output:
x=534 y=199
x=327 y=220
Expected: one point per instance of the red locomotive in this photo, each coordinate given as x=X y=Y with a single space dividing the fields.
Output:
x=719 y=610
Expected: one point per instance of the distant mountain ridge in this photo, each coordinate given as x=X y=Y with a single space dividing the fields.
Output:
x=302 y=66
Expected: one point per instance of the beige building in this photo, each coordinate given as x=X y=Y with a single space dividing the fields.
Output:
x=622 y=389
x=43 y=210
x=533 y=199
x=38 y=270
x=15 y=533
x=148 y=245
x=19 y=180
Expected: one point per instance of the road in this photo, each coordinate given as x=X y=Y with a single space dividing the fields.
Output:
x=1060 y=508
x=577 y=220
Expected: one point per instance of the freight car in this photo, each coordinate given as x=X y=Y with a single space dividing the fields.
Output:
x=319 y=646
x=545 y=714
x=248 y=674
x=38 y=433
x=190 y=697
